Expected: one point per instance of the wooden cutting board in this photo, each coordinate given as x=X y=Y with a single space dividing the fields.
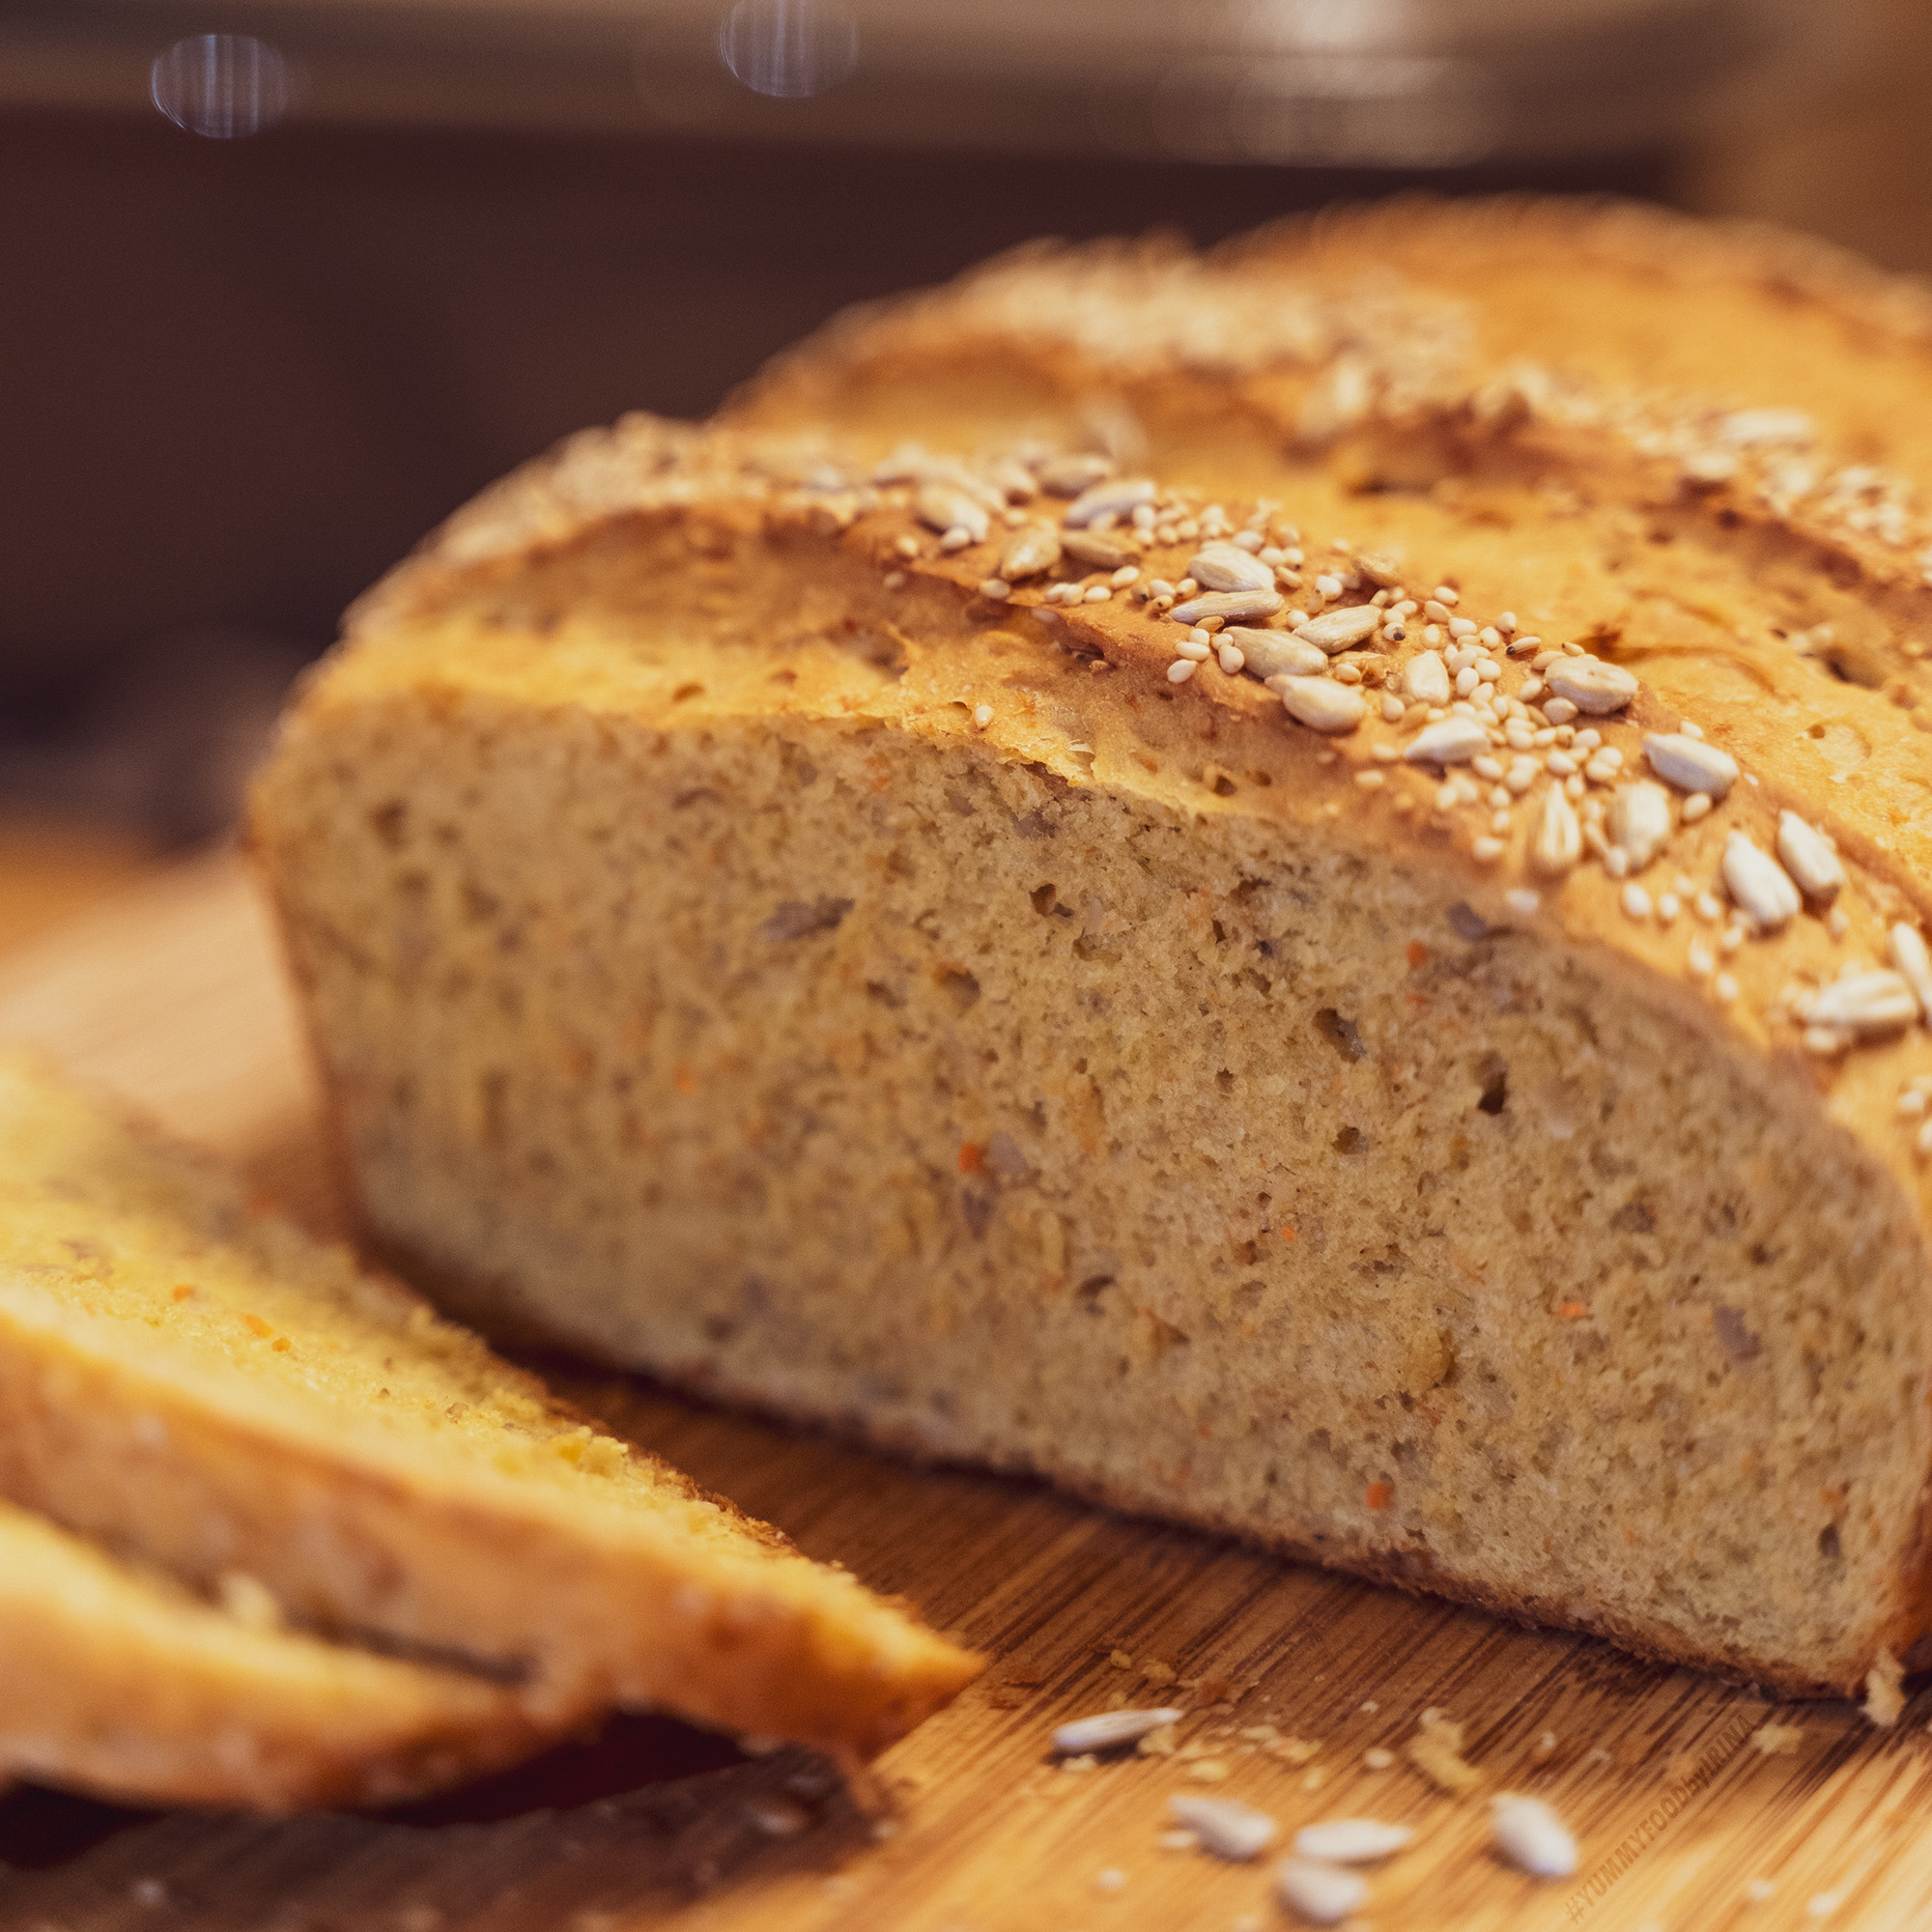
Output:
x=171 y=995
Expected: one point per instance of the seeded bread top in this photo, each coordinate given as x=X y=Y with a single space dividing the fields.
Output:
x=1367 y=664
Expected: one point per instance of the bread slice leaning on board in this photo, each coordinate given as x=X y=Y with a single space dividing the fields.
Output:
x=201 y=1386
x=117 y=1681
x=1427 y=1078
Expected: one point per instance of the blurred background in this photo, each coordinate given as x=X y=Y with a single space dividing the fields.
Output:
x=288 y=279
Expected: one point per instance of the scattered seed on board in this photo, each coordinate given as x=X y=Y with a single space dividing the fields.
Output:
x=1322 y=704
x=1229 y=605
x=1759 y=883
x=1110 y=1728
x=1455 y=741
x=1905 y=947
x=1276 y=654
x=1688 y=764
x=1350 y=1841
x=1532 y=1836
x=1341 y=630
x=1808 y=859
x=1222 y=566
x=1320 y=1894
x=1228 y=1829
x=1639 y=821
x=1591 y=685
x=1426 y=679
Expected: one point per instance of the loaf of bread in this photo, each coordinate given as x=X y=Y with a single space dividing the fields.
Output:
x=201 y=1386
x=118 y=1682
x=1353 y=979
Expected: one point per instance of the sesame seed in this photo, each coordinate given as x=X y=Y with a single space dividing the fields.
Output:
x=1702 y=962
x=907 y=547
x=894 y=579
x=1487 y=849
x=1559 y=710
x=1180 y=670
x=1375 y=1758
x=1232 y=658
x=1697 y=806
x=1392 y=710
x=1668 y=907
x=1098 y=594
x=1506 y=621
x=1636 y=901
x=1460 y=626
x=1523 y=900
x=995 y=588
x=1838 y=924
x=1196 y=651
x=1371 y=780
x=983 y=715
x=1725 y=988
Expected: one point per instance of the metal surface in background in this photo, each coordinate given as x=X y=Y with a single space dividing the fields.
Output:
x=1356 y=83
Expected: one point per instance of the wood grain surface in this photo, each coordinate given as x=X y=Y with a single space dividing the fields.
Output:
x=170 y=995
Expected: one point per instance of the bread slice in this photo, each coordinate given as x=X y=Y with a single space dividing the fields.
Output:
x=800 y=922
x=201 y=1385
x=118 y=1682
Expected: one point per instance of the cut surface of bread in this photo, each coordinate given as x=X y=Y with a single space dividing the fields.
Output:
x=202 y=1385
x=747 y=935
x=116 y=1681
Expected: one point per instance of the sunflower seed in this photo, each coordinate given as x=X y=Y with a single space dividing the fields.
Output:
x=1277 y=654
x=1069 y=475
x=1559 y=840
x=1591 y=685
x=1808 y=859
x=1104 y=500
x=1865 y=1005
x=1228 y=603
x=1095 y=552
x=1350 y=1841
x=1455 y=741
x=1322 y=1894
x=1426 y=679
x=940 y=507
x=1639 y=821
x=1223 y=566
x=1340 y=630
x=1110 y=1728
x=1322 y=704
x=1906 y=947
x=1028 y=551
x=1759 y=883
x=1228 y=1829
x=1530 y=1834
x=1691 y=764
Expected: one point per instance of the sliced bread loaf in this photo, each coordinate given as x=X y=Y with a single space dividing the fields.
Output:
x=201 y=1385
x=116 y=1681
x=849 y=936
